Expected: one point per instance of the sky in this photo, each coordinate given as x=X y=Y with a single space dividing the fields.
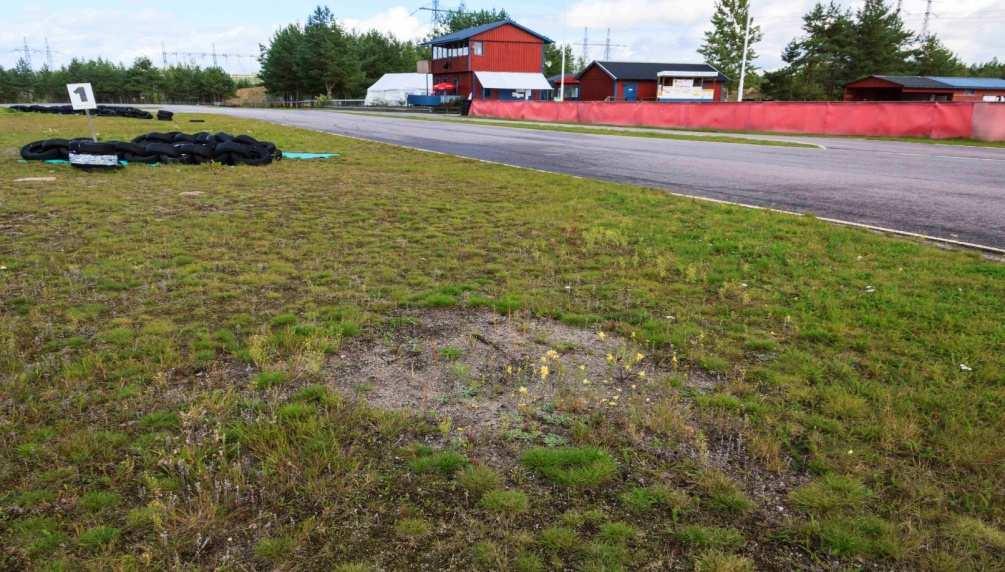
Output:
x=640 y=30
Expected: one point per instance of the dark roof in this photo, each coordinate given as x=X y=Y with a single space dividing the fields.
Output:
x=569 y=78
x=940 y=82
x=634 y=71
x=466 y=33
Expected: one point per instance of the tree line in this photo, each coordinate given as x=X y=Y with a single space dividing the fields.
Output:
x=115 y=83
x=322 y=58
x=836 y=46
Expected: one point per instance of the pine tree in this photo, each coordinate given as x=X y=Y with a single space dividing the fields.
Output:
x=933 y=58
x=723 y=44
x=882 y=42
x=818 y=63
x=280 y=63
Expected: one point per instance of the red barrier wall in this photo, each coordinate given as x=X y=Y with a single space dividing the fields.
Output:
x=891 y=119
x=989 y=121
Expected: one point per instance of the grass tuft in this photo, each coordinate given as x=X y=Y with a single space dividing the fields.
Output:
x=505 y=503
x=576 y=467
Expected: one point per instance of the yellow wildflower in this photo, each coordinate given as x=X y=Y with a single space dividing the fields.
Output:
x=544 y=372
x=601 y=335
x=523 y=390
x=639 y=357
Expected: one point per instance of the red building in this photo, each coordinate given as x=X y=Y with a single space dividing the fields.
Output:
x=925 y=88
x=571 y=83
x=647 y=81
x=500 y=60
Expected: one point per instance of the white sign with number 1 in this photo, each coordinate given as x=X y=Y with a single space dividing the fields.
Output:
x=81 y=96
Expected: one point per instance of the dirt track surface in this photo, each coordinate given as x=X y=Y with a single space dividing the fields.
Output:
x=951 y=192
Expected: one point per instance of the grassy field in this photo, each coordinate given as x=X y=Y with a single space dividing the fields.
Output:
x=198 y=369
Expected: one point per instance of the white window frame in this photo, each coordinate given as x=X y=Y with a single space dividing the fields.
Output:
x=477 y=48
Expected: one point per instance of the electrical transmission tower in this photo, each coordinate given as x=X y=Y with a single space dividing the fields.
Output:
x=164 y=56
x=928 y=17
x=48 y=55
x=607 y=46
x=586 y=44
x=27 y=53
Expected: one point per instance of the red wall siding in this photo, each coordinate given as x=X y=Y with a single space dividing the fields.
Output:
x=508 y=49
x=977 y=96
x=595 y=85
x=457 y=64
x=644 y=91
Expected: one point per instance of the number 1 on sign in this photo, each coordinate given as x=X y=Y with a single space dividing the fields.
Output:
x=82 y=97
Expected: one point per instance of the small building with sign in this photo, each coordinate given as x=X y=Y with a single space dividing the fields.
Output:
x=499 y=60
x=651 y=81
x=925 y=88
x=571 y=86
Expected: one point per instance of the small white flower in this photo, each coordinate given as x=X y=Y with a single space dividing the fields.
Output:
x=965 y=367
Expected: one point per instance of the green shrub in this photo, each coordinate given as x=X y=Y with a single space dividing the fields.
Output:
x=577 y=467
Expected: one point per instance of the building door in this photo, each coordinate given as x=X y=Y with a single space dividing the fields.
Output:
x=631 y=89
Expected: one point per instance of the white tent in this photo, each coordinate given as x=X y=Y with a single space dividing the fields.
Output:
x=393 y=88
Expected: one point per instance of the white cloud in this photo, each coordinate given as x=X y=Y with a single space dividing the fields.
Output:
x=397 y=21
x=627 y=13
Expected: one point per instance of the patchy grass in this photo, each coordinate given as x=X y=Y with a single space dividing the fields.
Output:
x=169 y=396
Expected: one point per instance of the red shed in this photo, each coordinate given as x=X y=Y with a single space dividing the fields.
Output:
x=925 y=88
x=650 y=81
x=499 y=60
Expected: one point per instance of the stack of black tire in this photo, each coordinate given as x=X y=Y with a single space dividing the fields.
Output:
x=173 y=147
x=103 y=110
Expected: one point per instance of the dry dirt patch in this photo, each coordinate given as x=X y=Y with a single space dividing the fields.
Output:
x=479 y=368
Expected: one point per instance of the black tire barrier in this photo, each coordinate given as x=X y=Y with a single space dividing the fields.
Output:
x=163 y=115
x=170 y=147
x=103 y=110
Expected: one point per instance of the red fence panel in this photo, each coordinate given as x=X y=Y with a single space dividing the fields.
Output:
x=893 y=119
x=989 y=121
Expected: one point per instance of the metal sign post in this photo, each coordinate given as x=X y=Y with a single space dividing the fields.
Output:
x=82 y=97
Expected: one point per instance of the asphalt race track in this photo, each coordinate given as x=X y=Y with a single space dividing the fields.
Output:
x=946 y=191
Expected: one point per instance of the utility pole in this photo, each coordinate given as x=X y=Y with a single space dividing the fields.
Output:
x=27 y=53
x=928 y=17
x=561 y=81
x=607 y=46
x=48 y=55
x=743 y=66
x=586 y=44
